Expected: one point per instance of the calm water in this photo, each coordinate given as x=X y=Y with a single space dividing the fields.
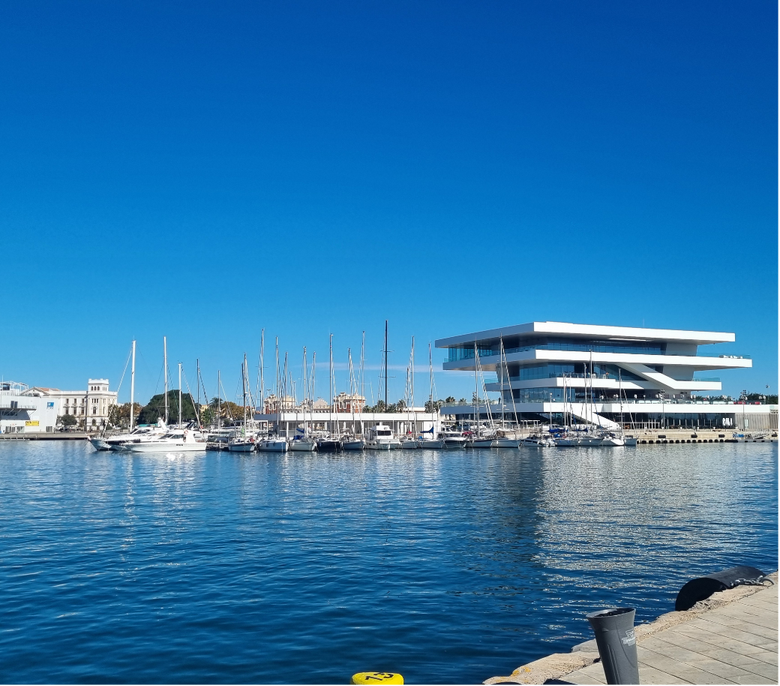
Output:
x=448 y=567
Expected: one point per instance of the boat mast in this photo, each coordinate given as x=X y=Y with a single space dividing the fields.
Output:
x=476 y=388
x=362 y=360
x=179 y=393
x=278 y=391
x=433 y=407
x=411 y=389
x=331 y=384
x=351 y=390
x=385 y=365
x=516 y=421
x=305 y=395
x=243 y=389
x=362 y=383
x=262 y=379
x=132 y=389
x=165 y=374
x=501 y=381
x=219 y=400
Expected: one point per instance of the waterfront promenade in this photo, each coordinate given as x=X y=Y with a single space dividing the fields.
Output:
x=729 y=638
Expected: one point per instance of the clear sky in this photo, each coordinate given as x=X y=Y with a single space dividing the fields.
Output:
x=205 y=170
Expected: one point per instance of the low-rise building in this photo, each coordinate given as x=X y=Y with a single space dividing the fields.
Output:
x=22 y=412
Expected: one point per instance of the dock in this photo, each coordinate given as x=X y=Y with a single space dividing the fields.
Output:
x=729 y=638
x=44 y=436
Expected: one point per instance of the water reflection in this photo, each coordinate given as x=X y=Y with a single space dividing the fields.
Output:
x=448 y=566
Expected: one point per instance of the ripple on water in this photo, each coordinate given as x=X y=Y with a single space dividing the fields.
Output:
x=448 y=567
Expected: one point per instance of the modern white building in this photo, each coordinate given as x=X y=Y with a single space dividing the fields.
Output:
x=609 y=375
x=23 y=413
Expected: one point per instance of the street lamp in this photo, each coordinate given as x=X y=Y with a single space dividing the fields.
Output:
x=661 y=395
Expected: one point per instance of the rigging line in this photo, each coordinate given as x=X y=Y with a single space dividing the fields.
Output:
x=225 y=405
x=189 y=392
x=119 y=387
x=203 y=386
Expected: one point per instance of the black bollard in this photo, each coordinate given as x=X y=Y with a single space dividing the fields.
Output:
x=614 y=629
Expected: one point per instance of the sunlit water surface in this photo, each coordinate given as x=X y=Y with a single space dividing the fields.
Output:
x=448 y=567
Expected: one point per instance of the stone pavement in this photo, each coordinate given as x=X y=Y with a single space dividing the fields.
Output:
x=730 y=638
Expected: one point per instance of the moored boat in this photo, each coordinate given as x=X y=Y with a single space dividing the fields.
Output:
x=175 y=441
x=272 y=444
x=380 y=437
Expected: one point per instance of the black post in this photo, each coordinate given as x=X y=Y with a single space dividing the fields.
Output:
x=614 y=629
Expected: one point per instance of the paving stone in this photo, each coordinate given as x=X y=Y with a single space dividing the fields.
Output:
x=650 y=675
x=763 y=669
x=755 y=680
x=580 y=678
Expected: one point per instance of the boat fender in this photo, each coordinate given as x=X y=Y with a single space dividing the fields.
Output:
x=377 y=678
x=703 y=587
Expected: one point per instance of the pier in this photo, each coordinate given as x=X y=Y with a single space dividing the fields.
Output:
x=729 y=638
x=44 y=436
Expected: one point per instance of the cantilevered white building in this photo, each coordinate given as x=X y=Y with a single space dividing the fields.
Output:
x=605 y=374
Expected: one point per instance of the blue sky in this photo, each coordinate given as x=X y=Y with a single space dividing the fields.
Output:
x=203 y=171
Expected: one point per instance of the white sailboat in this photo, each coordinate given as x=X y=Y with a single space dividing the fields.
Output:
x=410 y=441
x=275 y=444
x=352 y=441
x=505 y=437
x=484 y=437
x=304 y=442
x=428 y=438
x=243 y=442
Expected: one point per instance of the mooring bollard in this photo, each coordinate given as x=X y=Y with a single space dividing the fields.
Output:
x=614 y=629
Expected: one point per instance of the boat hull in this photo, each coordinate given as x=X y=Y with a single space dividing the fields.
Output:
x=241 y=447
x=303 y=446
x=272 y=446
x=484 y=443
x=153 y=447
x=454 y=443
x=434 y=444
x=353 y=445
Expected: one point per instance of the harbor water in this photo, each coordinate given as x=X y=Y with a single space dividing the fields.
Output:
x=445 y=566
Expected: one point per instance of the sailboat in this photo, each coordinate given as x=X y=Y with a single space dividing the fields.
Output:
x=243 y=443
x=134 y=435
x=483 y=437
x=304 y=442
x=410 y=441
x=505 y=438
x=592 y=435
x=176 y=439
x=428 y=438
x=352 y=441
x=331 y=441
x=276 y=444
